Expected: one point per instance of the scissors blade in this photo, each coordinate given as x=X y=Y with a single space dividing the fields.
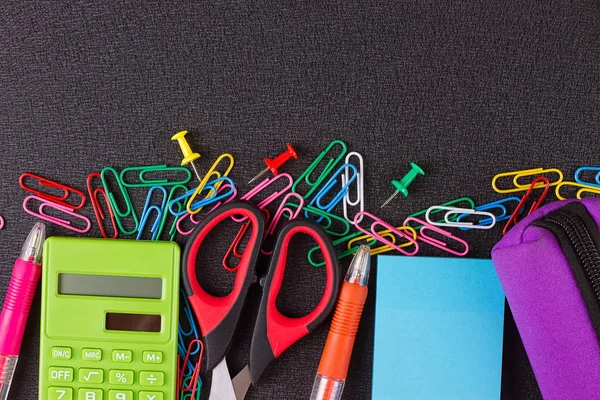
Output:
x=221 y=387
x=241 y=383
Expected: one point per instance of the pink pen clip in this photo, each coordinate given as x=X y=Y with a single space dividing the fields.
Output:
x=55 y=220
x=262 y=186
x=279 y=213
x=193 y=218
x=436 y=242
x=378 y=222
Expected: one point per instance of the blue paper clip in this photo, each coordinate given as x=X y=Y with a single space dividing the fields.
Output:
x=184 y=335
x=499 y=204
x=578 y=179
x=212 y=197
x=329 y=185
x=148 y=210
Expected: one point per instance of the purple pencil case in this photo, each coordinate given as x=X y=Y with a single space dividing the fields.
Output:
x=549 y=267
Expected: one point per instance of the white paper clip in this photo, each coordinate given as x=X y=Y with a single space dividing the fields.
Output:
x=454 y=224
x=360 y=194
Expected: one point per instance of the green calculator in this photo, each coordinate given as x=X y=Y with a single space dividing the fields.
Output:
x=109 y=319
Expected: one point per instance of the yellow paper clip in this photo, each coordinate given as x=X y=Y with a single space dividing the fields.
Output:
x=521 y=187
x=583 y=189
x=210 y=174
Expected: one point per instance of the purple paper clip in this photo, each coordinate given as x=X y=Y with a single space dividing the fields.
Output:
x=436 y=242
x=55 y=220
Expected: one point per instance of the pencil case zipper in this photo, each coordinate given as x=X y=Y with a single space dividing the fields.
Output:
x=579 y=239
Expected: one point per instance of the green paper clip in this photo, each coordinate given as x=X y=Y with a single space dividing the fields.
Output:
x=180 y=207
x=154 y=182
x=454 y=217
x=327 y=221
x=130 y=212
x=331 y=163
x=342 y=254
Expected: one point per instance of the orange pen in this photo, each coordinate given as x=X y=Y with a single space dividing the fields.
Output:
x=333 y=367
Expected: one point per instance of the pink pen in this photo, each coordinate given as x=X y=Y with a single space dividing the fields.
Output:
x=23 y=284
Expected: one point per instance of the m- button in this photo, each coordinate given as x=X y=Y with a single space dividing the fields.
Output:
x=123 y=356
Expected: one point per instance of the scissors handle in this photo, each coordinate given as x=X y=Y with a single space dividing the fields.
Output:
x=218 y=316
x=274 y=332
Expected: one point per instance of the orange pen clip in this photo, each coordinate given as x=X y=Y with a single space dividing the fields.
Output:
x=534 y=185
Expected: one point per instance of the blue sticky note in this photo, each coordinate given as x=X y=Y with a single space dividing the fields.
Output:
x=438 y=329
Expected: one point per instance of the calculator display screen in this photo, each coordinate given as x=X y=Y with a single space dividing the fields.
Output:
x=133 y=322
x=110 y=286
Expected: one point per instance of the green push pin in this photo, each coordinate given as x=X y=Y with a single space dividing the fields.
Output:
x=404 y=183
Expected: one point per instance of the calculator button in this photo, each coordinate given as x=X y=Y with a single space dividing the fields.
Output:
x=60 y=393
x=153 y=378
x=120 y=377
x=90 y=394
x=89 y=375
x=124 y=356
x=152 y=357
x=120 y=395
x=61 y=374
x=151 y=396
x=62 y=353
x=91 y=354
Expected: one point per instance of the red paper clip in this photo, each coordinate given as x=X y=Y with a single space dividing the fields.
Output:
x=514 y=217
x=191 y=386
x=62 y=200
x=95 y=200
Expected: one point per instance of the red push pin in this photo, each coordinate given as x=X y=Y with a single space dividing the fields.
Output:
x=277 y=162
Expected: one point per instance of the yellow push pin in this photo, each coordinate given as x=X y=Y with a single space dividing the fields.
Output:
x=188 y=155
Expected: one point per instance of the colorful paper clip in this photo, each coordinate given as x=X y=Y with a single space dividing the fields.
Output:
x=148 y=209
x=534 y=185
x=422 y=236
x=56 y=220
x=283 y=208
x=191 y=206
x=187 y=334
x=519 y=187
x=499 y=205
x=1 y=222
x=328 y=220
x=451 y=211
x=234 y=250
x=360 y=186
x=374 y=233
x=264 y=185
x=129 y=211
x=595 y=170
x=213 y=196
x=331 y=183
x=582 y=189
x=468 y=203
x=153 y=169
x=331 y=163
x=193 y=383
x=194 y=218
x=100 y=214
x=58 y=199
x=166 y=215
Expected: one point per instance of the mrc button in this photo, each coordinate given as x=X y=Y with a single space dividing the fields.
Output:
x=91 y=354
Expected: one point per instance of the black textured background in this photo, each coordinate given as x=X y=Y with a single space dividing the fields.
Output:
x=465 y=89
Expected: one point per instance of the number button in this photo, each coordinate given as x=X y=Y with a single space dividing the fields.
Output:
x=61 y=374
x=153 y=357
x=89 y=375
x=90 y=394
x=123 y=356
x=120 y=377
x=152 y=378
x=150 y=396
x=120 y=395
x=62 y=353
x=91 y=354
x=60 y=393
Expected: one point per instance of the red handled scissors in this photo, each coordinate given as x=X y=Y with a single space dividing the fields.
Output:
x=218 y=316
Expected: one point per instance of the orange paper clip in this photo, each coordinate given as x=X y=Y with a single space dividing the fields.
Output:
x=540 y=180
x=100 y=214
x=67 y=191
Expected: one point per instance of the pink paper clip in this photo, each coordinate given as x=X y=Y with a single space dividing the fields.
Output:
x=279 y=213
x=374 y=229
x=422 y=236
x=1 y=222
x=55 y=220
x=195 y=219
x=262 y=186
